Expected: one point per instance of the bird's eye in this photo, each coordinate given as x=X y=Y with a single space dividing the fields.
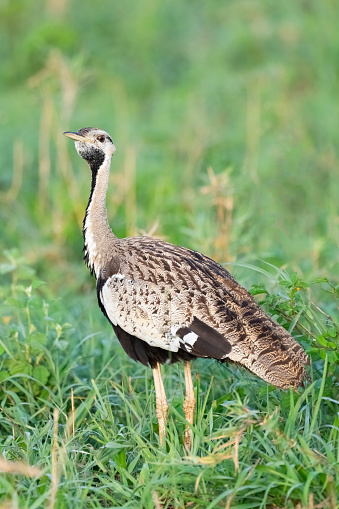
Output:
x=101 y=138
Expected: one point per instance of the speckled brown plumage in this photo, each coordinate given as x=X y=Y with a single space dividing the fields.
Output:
x=168 y=303
x=166 y=286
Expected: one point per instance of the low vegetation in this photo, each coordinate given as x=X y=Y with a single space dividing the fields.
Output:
x=83 y=414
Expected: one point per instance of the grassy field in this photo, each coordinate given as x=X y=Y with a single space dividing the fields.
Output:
x=225 y=120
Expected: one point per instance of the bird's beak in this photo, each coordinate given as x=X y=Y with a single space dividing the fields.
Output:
x=77 y=137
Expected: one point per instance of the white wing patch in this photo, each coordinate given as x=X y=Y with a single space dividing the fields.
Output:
x=189 y=340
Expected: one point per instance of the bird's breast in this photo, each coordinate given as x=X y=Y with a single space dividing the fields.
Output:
x=141 y=309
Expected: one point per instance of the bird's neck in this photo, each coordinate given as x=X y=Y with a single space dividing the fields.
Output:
x=98 y=236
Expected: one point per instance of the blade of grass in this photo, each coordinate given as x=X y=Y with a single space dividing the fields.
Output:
x=319 y=398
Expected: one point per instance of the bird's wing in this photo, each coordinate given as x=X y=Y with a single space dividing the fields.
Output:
x=201 y=340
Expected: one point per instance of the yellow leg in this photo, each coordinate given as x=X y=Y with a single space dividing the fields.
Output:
x=189 y=405
x=161 y=402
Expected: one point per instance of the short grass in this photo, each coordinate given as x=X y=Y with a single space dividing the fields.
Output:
x=224 y=115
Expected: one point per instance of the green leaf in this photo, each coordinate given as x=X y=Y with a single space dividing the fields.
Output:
x=35 y=302
x=285 y=283
x=302 y=284
x=332 y=332
x=294 y=278
x=1 y=349
x=320 y=280
x=332 y=357
x=116 y=445
x=322 y=340
x=18 y=303
x=313 y=349
x=257 y=289
x=43 y=486
x=120 y=459
x=37 y=340
x=19 y=367
x=3 y=375
x=41 y=374
x=331 y=344
x=266 y=388
x=37 y=283
x=62 y=344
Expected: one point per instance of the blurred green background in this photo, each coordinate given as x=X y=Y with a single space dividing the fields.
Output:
x=224 y=114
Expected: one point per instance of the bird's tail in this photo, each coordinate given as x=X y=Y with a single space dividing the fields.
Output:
x=274 y=354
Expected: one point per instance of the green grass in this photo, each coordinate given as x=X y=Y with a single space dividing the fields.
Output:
x=224 y=115
x=253 y=445
x=248 y=86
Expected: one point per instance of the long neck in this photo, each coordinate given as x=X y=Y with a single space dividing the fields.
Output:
x=97 y=233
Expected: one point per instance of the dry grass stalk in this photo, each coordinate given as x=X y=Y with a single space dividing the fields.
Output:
x=217 y=456
x=151 y=232
x=253 y=132
x=58 y=68
x=130 y=198
x=214 y=459
x=56 y=7
x=9 y=504
x=156 y=500
x=69 y=84
x=192 y=140
x=18 y=168
x=235 y=450
x=325 y=504
x=18 y=467
x=46 y=122
x=331 y=490
x=130 y=387
x=221 y=193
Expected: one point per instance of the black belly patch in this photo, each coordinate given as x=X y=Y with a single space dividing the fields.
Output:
x=142 y=352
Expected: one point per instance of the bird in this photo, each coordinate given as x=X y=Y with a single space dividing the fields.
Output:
x=168 y=303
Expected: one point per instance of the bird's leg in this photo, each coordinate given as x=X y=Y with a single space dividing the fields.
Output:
x=189 y=405
x=161 y=401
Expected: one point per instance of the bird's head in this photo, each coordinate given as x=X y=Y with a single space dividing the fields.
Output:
x=92 y=144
